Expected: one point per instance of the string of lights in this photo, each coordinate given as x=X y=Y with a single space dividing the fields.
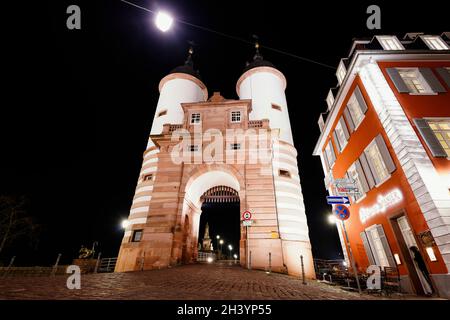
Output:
x=234 y=37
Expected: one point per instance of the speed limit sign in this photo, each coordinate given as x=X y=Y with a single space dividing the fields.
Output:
x=247 y=215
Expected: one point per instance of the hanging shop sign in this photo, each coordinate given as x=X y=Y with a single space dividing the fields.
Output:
x=384 y=201
x=346 y=187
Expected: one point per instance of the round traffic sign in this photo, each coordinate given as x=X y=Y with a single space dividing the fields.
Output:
x=247 y=215
x=342 y=212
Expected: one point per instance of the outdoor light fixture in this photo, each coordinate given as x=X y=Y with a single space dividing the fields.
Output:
x=221 y=241
x=332 y=219
x=230 y=247
x=431 y=254
x=163 y=21
x=235 y=256
x=209 y=260
x=217 y=237
x=125 y=223
x=344 y=263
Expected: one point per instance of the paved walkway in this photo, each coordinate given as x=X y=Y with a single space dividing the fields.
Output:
x=189 y=282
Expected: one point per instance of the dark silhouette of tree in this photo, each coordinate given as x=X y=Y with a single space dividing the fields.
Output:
x=15 y=224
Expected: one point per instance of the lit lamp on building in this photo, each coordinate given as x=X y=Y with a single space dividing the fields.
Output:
x=125 y=223
x=230 y=247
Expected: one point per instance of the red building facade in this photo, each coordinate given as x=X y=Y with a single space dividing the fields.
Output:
x=387 y=130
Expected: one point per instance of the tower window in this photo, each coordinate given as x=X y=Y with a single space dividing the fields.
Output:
x=276 y=107
x=162 y=113
x=148 y=177
x=193 y=148
x=235 y=146
x=284 y=173
x=137 y=235
x=195 y=118
x=235 y=116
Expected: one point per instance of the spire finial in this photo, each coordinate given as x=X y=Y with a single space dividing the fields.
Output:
x=190 y=53
x=257 y=55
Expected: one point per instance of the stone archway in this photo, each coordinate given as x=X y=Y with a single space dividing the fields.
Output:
x=196 y=183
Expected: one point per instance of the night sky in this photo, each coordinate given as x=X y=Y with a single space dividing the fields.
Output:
x=78 y=104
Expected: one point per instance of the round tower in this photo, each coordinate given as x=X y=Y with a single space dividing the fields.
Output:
x=182 y=85
x=264 y=85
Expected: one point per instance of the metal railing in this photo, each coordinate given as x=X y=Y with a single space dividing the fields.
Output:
x=203 y=256
x=107 y=265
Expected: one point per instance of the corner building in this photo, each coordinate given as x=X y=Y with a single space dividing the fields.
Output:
x=387 y=127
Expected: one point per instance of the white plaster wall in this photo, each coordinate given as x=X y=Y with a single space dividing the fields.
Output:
x=265 y=88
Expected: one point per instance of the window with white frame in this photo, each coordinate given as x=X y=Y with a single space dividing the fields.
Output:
x=330 y=99
x=341 y=72
x=441 y=130
x=377 y=247
x=235 y=116
x=435 y=43
x=377 y=163
x=193 y=148
x=355 y=110
x=353 y=174
x=340 y=135
x=329 y=153
x=390 y=43
x=414 y=80
x=195 y=118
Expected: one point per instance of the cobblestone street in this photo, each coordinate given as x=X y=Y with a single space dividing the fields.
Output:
x=205 y=282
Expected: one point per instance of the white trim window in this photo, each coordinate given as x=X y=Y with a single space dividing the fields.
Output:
x=341 y=72
x=353 y=174
x=435 y=43
x=414 y=80
x=329 y=154
x=341 y=134
x=193 y=148
x=378 y=166
x=376 y=244
x=330 y=99
x=390 y=43
x=195 y=118
x=441 y=130
x=235 y=116
x=355 y=110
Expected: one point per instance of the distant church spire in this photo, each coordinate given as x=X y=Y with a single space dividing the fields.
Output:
x=188 y=66
x=258 y=59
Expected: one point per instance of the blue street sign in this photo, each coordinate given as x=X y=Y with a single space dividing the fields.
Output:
x=337 y=200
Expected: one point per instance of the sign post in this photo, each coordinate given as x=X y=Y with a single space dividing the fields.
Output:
x=246 y=222
x=343 y=213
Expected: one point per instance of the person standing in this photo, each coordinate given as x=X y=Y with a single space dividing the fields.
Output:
x=423 y=273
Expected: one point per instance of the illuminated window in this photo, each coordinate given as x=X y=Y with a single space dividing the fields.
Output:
x=377 y=247
x=353 y=174
x=235 y=116
x=355 y=110
x=284 y=173
x=376 y=159
x=329 y=154
x=414 y=80
x=390 y=43
x=137 y=235
x=441 y=129
x=342 y=140
x=330 y=99
x=162 y=113
x=195 y=118
x=435 y=43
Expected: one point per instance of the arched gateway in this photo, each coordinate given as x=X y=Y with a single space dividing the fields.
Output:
x=198 y=148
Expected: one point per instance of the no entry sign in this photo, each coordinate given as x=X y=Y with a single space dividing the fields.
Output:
x=247 y=215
